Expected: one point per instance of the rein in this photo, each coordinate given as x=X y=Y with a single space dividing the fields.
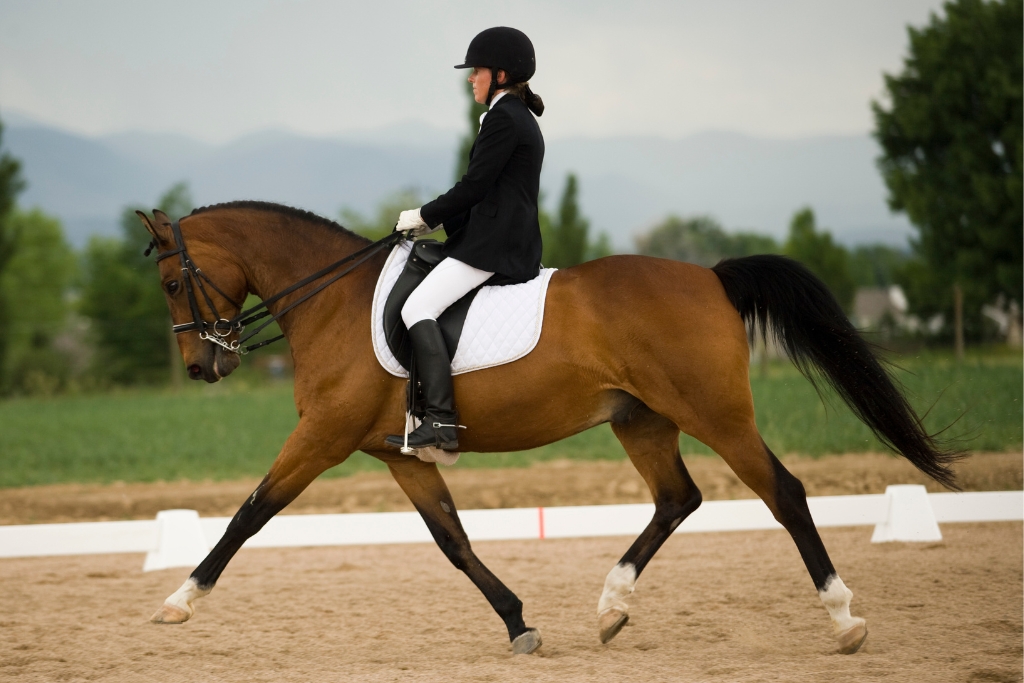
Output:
x=218 y=331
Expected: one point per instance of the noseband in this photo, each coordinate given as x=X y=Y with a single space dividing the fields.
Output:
x=221 y=328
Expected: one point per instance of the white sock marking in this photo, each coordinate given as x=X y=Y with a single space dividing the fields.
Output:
x=836 y=598
x=619 y=583
x=184 y=596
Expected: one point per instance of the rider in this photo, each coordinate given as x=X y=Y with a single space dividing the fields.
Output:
x=490 y=217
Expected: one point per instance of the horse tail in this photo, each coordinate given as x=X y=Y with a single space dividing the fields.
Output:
x=783 y=300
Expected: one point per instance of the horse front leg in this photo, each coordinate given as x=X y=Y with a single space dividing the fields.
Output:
x=429 y=494
x=302 y=460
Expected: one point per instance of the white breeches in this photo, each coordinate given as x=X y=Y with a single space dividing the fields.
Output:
x=449 y=281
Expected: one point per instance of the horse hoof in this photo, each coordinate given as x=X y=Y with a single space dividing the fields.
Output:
x=610 y=622
x=525 y=643
x=170 y=614
x=852 y=638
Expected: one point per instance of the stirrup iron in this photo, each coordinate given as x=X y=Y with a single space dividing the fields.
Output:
x=438 y=425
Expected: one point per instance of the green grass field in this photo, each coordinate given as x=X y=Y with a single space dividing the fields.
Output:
x=235 y=429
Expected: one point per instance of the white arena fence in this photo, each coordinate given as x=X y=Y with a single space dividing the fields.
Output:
x=180 y=538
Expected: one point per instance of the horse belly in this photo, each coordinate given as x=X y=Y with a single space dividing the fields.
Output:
x=505 y=409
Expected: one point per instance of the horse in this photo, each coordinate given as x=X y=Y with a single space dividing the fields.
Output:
x=654 y=347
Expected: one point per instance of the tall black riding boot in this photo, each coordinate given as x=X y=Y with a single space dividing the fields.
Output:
x=434 y=372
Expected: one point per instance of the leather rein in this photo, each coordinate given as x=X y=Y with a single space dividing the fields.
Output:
x=218 y=331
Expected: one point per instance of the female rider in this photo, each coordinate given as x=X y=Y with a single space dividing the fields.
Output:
x=490 y=217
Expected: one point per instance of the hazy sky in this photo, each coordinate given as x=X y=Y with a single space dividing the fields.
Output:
x=220 y=69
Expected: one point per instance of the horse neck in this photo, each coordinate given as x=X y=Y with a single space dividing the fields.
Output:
x=275 y=251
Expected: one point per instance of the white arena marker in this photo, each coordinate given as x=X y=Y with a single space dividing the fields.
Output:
x=910 y=516
x=180 y=541
x=173 y=539
x=77 y=538
x=978 y=506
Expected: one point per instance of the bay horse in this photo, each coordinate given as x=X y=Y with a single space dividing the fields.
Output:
x=652 y=346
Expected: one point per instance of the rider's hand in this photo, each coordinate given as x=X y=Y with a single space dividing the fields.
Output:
x=411 y=223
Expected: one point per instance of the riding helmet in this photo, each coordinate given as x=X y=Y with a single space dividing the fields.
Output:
x=503 y=48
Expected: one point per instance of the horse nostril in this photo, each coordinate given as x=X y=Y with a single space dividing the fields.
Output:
x=194 y=371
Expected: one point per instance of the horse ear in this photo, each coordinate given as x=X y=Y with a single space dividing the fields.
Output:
x=161 y=217
x=161 y=231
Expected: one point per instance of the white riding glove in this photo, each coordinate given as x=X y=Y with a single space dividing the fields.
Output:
x=411 y=222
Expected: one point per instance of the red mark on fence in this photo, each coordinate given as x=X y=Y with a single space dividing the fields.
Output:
x=540 y=521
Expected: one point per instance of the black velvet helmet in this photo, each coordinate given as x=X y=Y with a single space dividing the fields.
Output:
x=502 y=48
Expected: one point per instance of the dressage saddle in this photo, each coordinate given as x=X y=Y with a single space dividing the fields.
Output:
x=426 y=254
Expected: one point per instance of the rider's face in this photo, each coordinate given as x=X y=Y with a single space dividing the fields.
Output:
x=481 y=80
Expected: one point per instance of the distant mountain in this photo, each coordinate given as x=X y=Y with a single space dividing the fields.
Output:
x=87 y=181
x=626 y=184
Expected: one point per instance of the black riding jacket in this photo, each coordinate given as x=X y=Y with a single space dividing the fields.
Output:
x=490 y=216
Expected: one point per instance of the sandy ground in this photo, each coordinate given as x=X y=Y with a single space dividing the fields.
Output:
x=710 y=607
x=549 y=484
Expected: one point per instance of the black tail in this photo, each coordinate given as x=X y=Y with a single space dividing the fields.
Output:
x=784 y=300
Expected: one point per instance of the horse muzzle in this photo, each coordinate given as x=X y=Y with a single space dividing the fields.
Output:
x=216 y=364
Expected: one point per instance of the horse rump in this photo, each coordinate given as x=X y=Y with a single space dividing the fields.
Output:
x=783 y=300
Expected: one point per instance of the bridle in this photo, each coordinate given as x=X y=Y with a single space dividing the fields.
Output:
x=221 y=328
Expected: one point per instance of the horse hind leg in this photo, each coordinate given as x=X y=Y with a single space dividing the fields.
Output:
x=652 y=443
x=758 y=468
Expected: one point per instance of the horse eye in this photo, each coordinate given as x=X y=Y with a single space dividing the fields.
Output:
x=172 y=287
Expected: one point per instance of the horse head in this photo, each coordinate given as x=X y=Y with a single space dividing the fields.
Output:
x=204 y=360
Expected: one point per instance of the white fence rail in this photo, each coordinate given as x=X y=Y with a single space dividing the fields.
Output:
x=181 y=538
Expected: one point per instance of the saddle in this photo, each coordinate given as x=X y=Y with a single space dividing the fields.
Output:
x=426 y=254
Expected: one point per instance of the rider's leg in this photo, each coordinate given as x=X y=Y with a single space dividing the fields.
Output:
x=447 y=283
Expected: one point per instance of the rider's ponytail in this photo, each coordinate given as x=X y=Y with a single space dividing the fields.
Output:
x=532 y=99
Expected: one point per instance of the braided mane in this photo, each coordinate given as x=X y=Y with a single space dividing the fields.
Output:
x=289 y=211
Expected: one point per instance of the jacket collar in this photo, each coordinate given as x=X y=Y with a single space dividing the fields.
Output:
x=496 y=102
x=497 y=98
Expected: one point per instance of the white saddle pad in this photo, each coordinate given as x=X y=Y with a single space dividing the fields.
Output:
x=503 y=323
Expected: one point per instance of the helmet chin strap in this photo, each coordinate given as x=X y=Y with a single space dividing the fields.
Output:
x=494 y=86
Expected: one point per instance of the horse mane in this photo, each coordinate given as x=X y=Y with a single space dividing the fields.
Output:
x=289 y=211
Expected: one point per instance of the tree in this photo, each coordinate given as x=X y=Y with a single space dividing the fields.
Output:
x=567 y=240
x=952 y=155
x=473 y=114
x=700 y=240
x=876 y=265
x=122 y=296
x=816 y=250
x=36 y=283
x=11 y=184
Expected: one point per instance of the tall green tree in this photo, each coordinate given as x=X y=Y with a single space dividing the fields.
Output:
x=700 y=240
x=952 y=155
x=11 y=184
x=473 y=113
x=565 y=243
x=121 y=295
x=36 y=284
x=566 y=236
x=816 y=250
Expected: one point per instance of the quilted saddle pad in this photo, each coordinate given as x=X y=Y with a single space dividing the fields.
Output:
x=503 y=323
